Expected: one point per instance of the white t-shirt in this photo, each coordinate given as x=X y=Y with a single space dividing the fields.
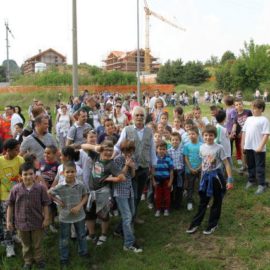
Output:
x=153 y=101
x=223 y=139
x=255 y=127
x=15 y=119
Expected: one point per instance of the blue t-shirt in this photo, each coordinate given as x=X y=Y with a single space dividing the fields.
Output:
x=192 y=151
x=163 y=168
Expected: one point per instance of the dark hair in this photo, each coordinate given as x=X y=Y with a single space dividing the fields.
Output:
x=161 y=143
x=30 y=158
x=10 y=144
x=210 y=129
x=26 y=166
x=238 y=100
x=221 y=116
x=106 y=144
x=71 y=153
x=195 y=129
x=164 y=113
x=259 y=104
x=53 y=148
x=196 y=108
x=189 y=122
x=40 y=118
x=179 y=110
x=127 y=146
x=20 y=125
x=69 y=164
x=229 y=100
x=176 y=134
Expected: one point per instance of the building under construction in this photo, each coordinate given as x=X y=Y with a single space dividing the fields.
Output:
x=127 y=61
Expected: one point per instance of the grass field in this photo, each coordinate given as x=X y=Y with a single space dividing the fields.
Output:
x=242 y=240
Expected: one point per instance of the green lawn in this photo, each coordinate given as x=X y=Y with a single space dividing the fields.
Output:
x=242 y=240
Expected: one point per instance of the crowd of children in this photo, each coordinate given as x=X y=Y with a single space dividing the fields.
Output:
x=84 y=180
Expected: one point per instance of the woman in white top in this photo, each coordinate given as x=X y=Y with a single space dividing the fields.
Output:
x=119 y=118
x=64 y=120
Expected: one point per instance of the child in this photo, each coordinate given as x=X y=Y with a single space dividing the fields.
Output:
x=188 y=125
x=177 y=126
x=48 y=170
x=18 y=135
x=163 y=179
x=199 y=121
x=28 y=202
x=212 y=181
x=175 y=152
x=240 y=119
x=164 y=120
x=71 y=196
x=124 y=195
x=213 y=110
x=255 y=134
x=109 y=132
x=104 y=171
x=10 y=164
x=192 y=163
x=223 y=138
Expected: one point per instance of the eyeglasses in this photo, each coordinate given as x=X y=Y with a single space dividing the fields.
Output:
x=141 y=115
x=118 y=106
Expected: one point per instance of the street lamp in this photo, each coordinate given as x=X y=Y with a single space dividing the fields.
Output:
x=138 y=55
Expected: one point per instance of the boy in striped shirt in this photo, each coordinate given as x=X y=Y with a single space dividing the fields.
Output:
x=162 y=179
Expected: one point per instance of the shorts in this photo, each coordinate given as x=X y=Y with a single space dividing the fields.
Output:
x=92 y=215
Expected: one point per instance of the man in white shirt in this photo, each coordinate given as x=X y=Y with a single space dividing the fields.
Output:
x=154 y=98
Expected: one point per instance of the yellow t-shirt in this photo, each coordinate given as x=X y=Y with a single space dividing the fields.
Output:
x=9 y=175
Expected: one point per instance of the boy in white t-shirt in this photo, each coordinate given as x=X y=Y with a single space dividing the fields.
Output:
x=223 y=138
x=255 y=134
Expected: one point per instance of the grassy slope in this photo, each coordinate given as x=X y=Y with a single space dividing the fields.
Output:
x=241 y=242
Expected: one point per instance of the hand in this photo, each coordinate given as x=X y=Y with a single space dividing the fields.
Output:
x=75 y=210
x=229 y=186
x=10 y=226
x=154 y=183
x=169 y=184
x=259 y=149
x=45 y=223
x=122 y=178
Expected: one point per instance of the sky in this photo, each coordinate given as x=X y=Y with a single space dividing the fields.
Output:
x=212 y=27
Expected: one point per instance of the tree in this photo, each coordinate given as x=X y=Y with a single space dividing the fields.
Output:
x=212 y=62
x=227 y=56
x=195 y=73
x=13 y=67
x=2 y=74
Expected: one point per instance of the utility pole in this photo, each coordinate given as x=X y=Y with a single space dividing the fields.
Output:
x=8 y=31
x=138 y=56
x=74 y=49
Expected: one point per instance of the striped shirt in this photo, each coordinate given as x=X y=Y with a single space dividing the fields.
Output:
x=163 y=168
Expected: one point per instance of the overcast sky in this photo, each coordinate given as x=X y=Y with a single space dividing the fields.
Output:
x=213 y=26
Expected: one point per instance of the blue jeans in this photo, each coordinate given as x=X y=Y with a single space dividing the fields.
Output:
x=64 y=239
x=127 y=210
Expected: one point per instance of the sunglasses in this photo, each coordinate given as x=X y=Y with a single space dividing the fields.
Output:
x=118 y=106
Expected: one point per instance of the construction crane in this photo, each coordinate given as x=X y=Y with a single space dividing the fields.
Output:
x=148 y=13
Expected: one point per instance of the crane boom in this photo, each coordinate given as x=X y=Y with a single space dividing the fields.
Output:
x=160 y=17
x=148 y=13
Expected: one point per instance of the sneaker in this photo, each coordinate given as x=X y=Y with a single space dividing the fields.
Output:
x=157 y=214
x=27 y=266
x=150 y=206
x=53 y=229
x=191 y=230
x=10 y=251
x=134 y=248
x=115 y=213
x=249 y=185
x=143 y=197
x=166 y=213
x=101 y=240
x=239 y=162
x=189 y=206
x=41 y=265
x=92 y=238
x=209 y=231
x=260 y=190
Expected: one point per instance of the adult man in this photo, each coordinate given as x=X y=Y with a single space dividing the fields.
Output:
x=153 y=100
x=75 y=133
x=145 y=153
x=90 y=103
x=39 y=139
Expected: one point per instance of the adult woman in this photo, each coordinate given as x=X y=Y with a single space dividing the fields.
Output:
x=18 y=110
x=119 y=118
x=63 y=121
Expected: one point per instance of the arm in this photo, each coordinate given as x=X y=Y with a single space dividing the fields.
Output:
x=171 y=178
x=92 y=147
x=243 y=140
x=227 y=165
x=263 y=142
x=76 y=209
x=46 y=220
x=10 y=210
x=120 y=178
x=188 y=165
